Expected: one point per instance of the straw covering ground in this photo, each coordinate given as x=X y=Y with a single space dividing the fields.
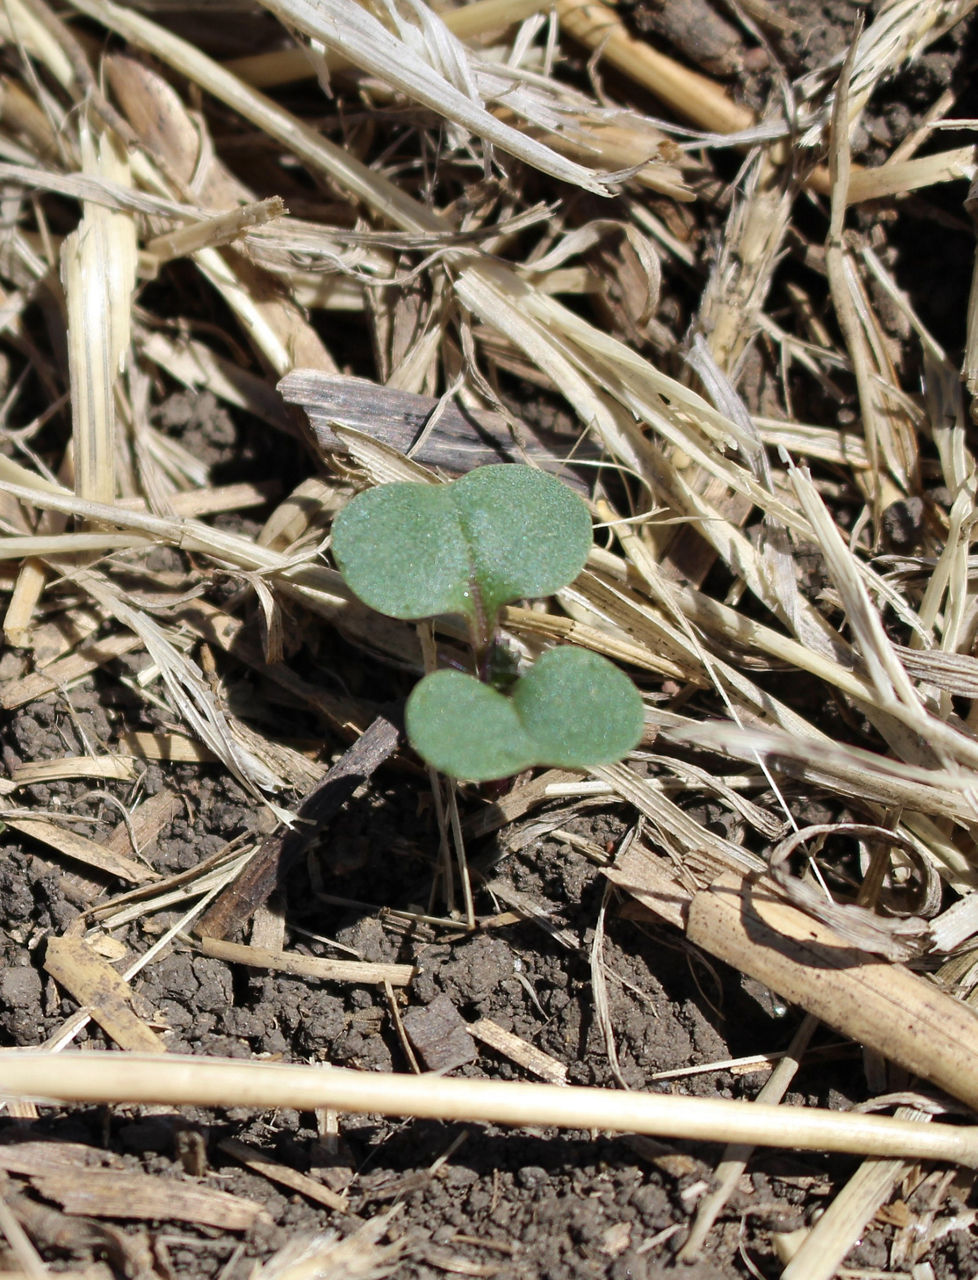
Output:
x=708 y=264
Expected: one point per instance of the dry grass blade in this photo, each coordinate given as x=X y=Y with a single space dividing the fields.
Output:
x=322 y=588
x=98 y=267
x=753 y=241
x=674 y=827
x=284 y=66
x=322 y=155
x=890 y=444
x=845 y=770
x=80 y=849
x=887 y=674
x=427 y=63
x=599 y=989
x=100 y=189
x=185 y=156
x=188 y=689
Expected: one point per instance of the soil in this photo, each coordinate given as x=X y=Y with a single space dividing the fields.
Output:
x=576 y=1204
x=473 y=1200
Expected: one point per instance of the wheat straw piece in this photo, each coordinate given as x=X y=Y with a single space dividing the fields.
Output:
x=882 y=1005
x=262 y=1163
x=734 y=1162
x=519 y=1051
x=361 y=972
x=211 y=233
x=902 y=177
x=883 y=445
x=183 y=160
x=114 y=767
x=21 y=26
x=174 y=1080
x=694 y=96
x=101 y=991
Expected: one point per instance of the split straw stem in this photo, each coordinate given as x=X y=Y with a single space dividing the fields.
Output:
x=176 y=1080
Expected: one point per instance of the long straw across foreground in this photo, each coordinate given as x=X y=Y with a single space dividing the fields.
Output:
x=180 y=1080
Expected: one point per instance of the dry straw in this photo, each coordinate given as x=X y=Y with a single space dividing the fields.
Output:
x=480 y=244
x=185 y=1081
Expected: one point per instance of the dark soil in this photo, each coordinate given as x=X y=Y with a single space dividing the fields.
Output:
x=573 y=1204
x=477 y=1200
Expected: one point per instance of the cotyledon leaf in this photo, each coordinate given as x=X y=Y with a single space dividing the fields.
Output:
x=574 y=709
x=499 y=533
